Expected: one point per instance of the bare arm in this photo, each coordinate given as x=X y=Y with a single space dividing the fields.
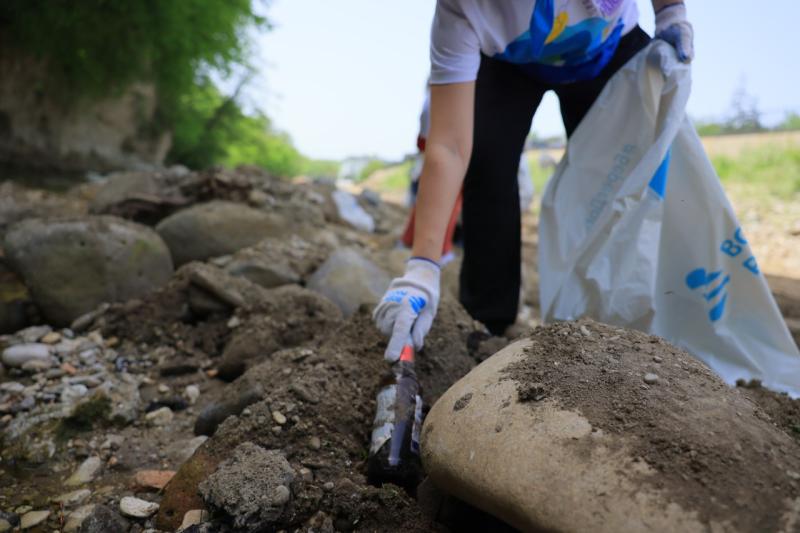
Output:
x=447 y=153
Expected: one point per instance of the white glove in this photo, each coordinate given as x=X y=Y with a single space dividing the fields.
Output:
x=409 y=306
x=673 y=27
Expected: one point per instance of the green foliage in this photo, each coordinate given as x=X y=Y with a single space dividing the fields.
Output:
x=95 y=47
x=769 y=170
x=319 y=168
x=215 y=131
x=790 y=123
x=708 y=129
x=371 y=167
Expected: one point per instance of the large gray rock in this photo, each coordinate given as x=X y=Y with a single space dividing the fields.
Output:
x=566 y=431
x=252 y=487
x=216 y=228
x=71 y=266
x=349 y=279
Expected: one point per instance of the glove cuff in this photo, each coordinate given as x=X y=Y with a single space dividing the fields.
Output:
x=669 y=15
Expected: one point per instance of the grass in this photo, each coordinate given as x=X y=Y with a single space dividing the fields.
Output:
x=767 y=170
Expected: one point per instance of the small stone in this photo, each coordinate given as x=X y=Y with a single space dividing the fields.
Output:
x=20 y=354
x=281 y=495
x=76 y=518
x=793 y=475
x=137 y=508
x=33 y=333
x=160 y=417
x=306 y=474
x=193 y=517
x=33 y=518
x=247 y=411
x=112 y=442
x=152 y=479
x=103 y=519
x=585 y=331
x=278 y=417
x=37 y=365
x=5 y=525
x=328 y=486
x=69 y=369
x=76 y=497
x=314 y=443
x=657 y=359
x=163 y=389
x=234 y=322
x=22 y=509
x=86 y=472
x=191 y=393
x=276 y=430
x=51 y=338
x=650 y=378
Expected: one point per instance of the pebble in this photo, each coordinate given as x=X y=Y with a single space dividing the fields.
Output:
x=650 y=378
x=137 y=508
x=76 y=497
x=328 y=486
x=163 y=389
x=281 y=495
x=152 y=479
x=191 y=393
x=160 y=417
x=86 y=472
x=22 y=353
x=37 y=365
x=278 y=417
x=33 y=518
x=585 y=331
x=5 y=525
x=193 y=517
x=234 y=322
x=33 y=333
x=12 y=387
x=657 y=359
x=112 y=442
x=306 y=474
x=51 y=338
x=76 y=518
x=315 y=443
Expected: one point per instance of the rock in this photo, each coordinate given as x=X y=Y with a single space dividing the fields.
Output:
x=213 y=415
x=181 y=494
x=160 y=417
x=51 y=338
x=193 y=517
x=579 y=460
x=350 y=212
x=76 y=497
x=71 y=266
x=191 y=393
x=314 y=442
x=180 y=451
x=8 y=521
x=33 y=519
x=17 y=356
x=278 y=417
x=76 y=518
x=137 y=508
x=216 y=228
x=33 y=333
x=349 y=280
x=650 y=378
x=152 y=479
x=263 y=270
x=102 y=519
x=247 y=486
x=85 y=473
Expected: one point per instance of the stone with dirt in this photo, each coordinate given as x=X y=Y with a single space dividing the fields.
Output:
x=555 y=432
x=102 y=519
x=71 y=266
x=251 y=487
x=216 y=228
x=349 y=279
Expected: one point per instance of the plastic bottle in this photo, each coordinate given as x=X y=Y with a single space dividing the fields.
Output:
x=394 y=448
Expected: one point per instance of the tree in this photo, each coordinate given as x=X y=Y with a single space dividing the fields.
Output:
x=745 y=117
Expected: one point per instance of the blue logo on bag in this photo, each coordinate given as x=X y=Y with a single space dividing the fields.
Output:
x=699 y=278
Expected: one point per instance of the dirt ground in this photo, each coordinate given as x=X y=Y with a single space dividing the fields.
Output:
x=301 y=379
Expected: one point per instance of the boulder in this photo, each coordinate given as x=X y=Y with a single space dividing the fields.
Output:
x=70 y=266
x=563 y=432
x=349 y=279
x=145 y=197
x=216 y=228
x=252 y=487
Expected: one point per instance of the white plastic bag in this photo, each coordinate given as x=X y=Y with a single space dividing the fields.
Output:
x=636 y=230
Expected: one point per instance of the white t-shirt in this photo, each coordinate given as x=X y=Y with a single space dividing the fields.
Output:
x=557 y=41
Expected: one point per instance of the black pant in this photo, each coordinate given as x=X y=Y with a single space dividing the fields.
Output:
x=505 y=101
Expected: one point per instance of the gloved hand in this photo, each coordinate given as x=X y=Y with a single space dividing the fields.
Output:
x=673 y=27
x=409 y=306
